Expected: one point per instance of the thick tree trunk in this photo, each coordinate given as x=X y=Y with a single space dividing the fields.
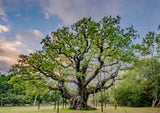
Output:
x=78 y=103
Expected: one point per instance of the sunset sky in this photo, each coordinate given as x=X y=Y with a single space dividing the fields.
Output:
x=23 y=23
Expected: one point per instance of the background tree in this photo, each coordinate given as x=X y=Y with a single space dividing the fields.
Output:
x=77 y=56
x=4 y=88
x=151 y=48
x=7 y=94
x=138 y=85
x=32 y=85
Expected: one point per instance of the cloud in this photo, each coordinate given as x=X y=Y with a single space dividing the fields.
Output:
x=72 y=10
x=8 y=51
x=30 y=38
x=4 y=67
x=3 y=15
x=18 y=15
x=37 y=33
x=142 y=14
x=21 y=43
x=60 y=26
x=4 y=28
x=46 y=15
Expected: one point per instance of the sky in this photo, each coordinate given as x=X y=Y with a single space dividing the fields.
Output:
x=24 y=23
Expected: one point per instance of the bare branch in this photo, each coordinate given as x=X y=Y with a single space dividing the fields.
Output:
x=53 y=88
x=93 y=76
x=101 y=83
x=66 y=66
x=121 y=78
x=111 y=84
x=64 y=91
x=110 y=64
x=92 y=90
x=53 y=77
x=70 y=80
x=99 y=67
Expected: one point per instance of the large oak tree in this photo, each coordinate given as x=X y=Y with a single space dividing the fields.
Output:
x=77 y=55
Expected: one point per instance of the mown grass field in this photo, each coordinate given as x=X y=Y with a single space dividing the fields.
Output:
x=49 y=109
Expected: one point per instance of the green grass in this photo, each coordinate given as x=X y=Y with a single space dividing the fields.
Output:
x=50 y=109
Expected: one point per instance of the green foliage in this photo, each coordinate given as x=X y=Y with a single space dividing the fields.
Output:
x=7 y=94
x=117 y=43
x=88 y=44
x=30 y=85
x=9 y=98
x=18 y=90
x=69 y=54
x=139 y=85
x=151 y=44
x=4 y=85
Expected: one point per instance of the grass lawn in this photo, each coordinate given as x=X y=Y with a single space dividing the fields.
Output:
x=49 y=109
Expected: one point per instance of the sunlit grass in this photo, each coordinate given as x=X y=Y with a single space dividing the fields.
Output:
x=50 y=109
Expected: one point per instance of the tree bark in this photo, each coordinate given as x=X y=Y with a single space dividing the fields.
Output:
x=93 y=100
x=38 y=105
x=39 y=102
x=154 y=101
x=101 y=101
x=78 y=103
x=63 y=102
x=55 y=100
x=58 y=103
x=96 y=100
x=158 y=104
x=115 y=98
x=35 y=100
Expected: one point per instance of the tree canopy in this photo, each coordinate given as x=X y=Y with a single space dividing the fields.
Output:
x=78 y=54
